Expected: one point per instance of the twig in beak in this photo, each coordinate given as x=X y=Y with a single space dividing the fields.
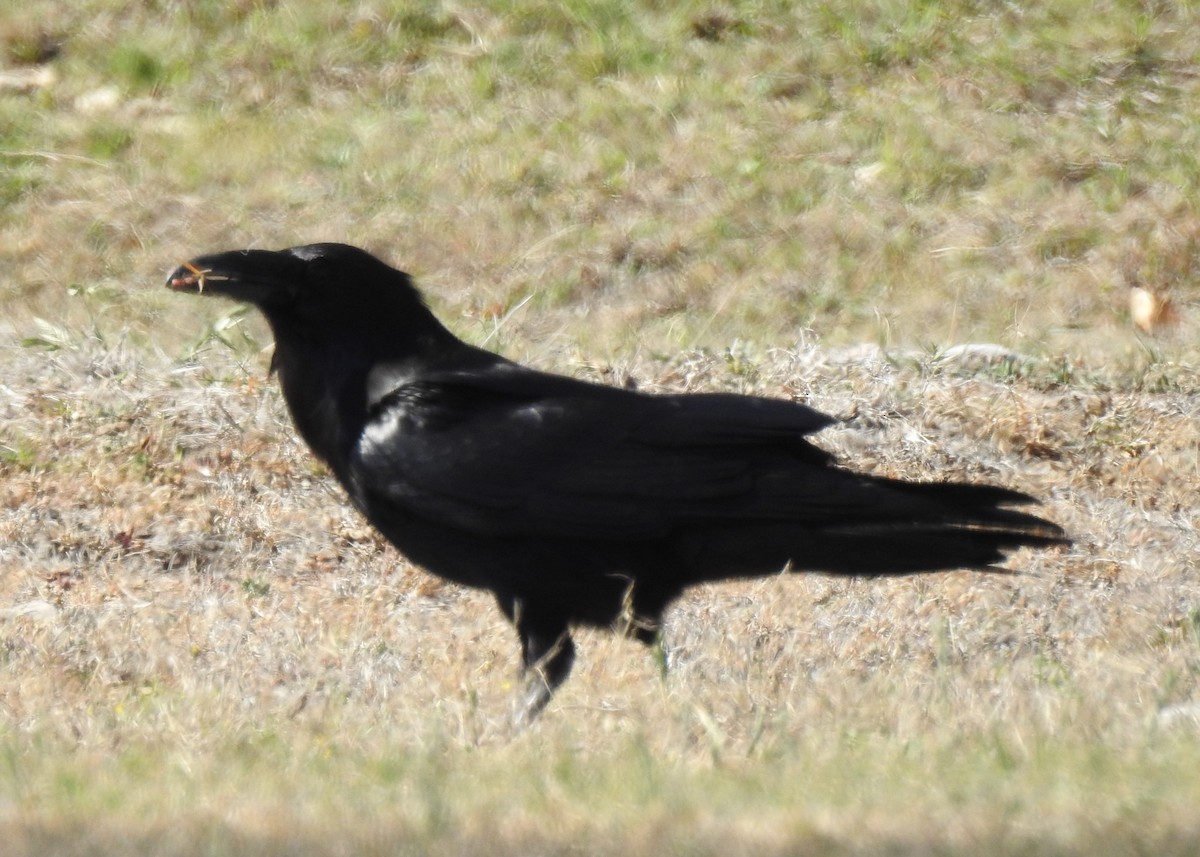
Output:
x=199 y=277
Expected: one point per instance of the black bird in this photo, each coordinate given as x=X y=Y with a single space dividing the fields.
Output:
x=572 y=502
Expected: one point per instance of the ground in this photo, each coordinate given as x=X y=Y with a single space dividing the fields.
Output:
x=926 y=220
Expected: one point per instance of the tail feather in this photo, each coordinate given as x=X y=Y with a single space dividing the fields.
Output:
x=974 y=506
x=922 y=527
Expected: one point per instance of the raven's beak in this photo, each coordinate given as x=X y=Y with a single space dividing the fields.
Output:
x=253 y=276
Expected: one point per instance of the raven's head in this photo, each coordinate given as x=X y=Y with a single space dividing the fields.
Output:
x=317 y=282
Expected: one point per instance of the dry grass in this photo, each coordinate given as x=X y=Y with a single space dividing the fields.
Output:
x=199 y=636
x=205 y=652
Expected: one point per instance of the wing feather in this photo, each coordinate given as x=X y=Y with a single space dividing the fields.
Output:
x=518 y=452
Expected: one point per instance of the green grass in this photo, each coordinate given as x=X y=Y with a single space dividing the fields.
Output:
x=684 y=175
x=266 y=795
x=205 y=652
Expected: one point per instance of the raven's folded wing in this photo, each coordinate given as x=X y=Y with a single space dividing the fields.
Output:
x=515 y=452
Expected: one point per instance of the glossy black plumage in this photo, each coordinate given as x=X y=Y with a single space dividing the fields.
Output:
x=575 y=503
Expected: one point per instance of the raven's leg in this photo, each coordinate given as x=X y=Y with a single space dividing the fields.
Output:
x=547 y=654
x=651 y=635
x=643 y=614
x=547 y=658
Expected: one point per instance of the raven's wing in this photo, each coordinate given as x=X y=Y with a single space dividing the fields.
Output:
x=508 y=451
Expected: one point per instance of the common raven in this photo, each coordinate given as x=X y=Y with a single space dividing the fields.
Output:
x=572 y=502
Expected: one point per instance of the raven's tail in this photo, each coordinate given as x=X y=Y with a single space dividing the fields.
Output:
x=875 y=526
